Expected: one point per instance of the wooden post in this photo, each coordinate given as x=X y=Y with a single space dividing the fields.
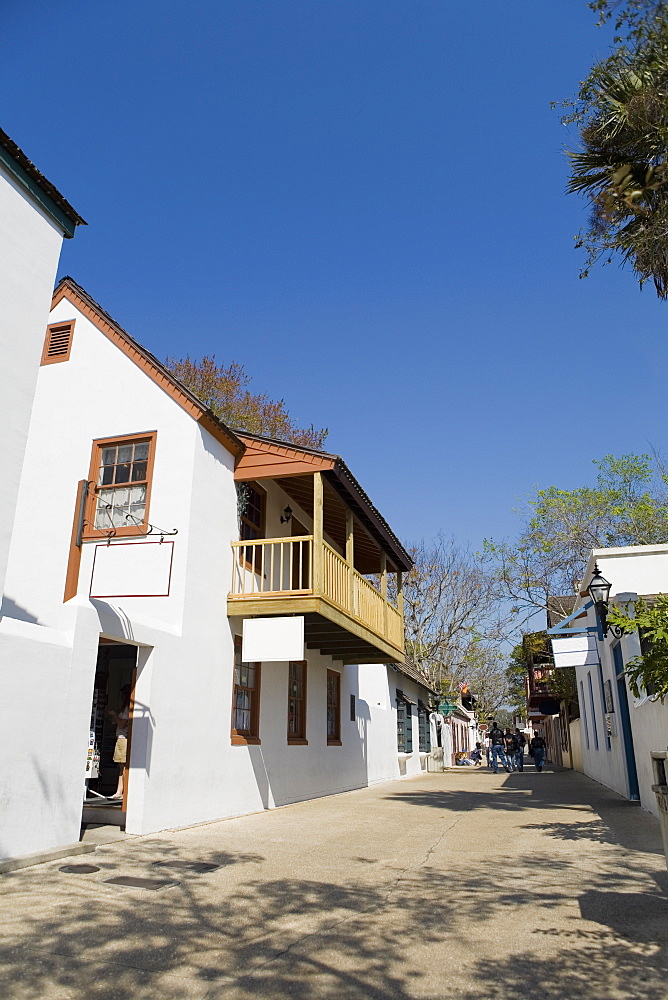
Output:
x=318 y=537
x=383 y=588
x=350 y=559
x=400 y=595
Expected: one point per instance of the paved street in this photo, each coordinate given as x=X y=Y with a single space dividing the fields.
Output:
x=463 y=884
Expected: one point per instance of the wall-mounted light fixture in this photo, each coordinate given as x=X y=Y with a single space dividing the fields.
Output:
x=599 y=591
x=286 y=515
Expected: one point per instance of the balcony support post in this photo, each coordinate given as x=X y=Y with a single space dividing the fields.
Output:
x=400 y=594
x=350 y=559
x=318 y=536
x=383 y=588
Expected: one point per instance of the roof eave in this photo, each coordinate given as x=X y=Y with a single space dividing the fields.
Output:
x=41 y=190
x=156 y=369
x=380 y=527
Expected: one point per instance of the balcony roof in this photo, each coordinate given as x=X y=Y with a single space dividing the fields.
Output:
x=266 y=458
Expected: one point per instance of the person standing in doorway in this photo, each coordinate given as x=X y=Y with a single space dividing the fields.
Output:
x=498 y=752
x=122 y=720
x=538 y=749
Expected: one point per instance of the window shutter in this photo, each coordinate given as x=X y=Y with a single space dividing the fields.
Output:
x=58 y=342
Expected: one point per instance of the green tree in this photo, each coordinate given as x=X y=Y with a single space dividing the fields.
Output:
x=621 y=167
x=225 y=390
x=628 y=505
x=649 y=671
x=516 y=679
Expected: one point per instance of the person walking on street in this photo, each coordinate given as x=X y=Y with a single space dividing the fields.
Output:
x=510 y=747
x=538 y=748
x=498 y=752
x=519 y=753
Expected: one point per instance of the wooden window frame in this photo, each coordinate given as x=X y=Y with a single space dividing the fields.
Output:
x=298 y=739
x=334 y=741
x=46 y=360
x=90 y=532
x=250 y=737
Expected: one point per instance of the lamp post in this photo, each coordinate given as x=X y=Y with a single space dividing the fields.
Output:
x=599 y=591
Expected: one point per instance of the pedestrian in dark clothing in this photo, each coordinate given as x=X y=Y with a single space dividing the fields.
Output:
x=538 y=748
x=519 y=753
x=510 y=747
x=498 y=752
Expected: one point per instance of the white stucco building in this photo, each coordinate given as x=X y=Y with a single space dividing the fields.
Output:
x=617 y=730
x=34 y=218
x=147 y=536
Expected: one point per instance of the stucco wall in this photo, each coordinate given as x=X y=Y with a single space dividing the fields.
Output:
x=183 y=768
x=29 y=249
x=184 y=661
x=575 y=739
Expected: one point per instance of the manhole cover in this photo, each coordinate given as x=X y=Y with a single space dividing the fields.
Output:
x=191 y=866
x=79 y=869
x=141 y=883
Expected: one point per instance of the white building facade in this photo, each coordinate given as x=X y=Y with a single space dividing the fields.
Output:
x=34 y=219
x=126 y=568
x=617 y=730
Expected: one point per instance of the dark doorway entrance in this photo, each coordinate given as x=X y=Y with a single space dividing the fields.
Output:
x=116 y=667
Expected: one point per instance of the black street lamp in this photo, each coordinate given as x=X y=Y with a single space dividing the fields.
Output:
x=599 y=591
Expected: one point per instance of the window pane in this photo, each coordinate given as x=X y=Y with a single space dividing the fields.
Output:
x=138 y=471
x=136 y=514
x=124 y=453
x=108 y=456
x=141 y=451
x=122 y=474
x=118 y=498
x=106 y=475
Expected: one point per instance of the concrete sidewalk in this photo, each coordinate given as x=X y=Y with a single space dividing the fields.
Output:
x=463 y=884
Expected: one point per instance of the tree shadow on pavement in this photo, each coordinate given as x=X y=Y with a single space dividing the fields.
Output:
x=601 y=968
x=383 y=933
x=593 y=830
x=618 y=822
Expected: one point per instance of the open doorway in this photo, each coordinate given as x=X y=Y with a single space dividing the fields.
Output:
x=111 y=717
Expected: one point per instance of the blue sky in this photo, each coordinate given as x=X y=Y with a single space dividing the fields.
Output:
x=362 y=201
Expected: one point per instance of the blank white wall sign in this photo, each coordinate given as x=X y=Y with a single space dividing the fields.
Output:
x=132 y=569
x=575 y=651
x=272 y=639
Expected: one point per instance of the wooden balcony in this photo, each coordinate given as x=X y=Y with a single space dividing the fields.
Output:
x=346 y=616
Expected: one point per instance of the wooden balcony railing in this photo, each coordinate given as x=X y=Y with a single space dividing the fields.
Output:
x=287 y=567
x=272 y=566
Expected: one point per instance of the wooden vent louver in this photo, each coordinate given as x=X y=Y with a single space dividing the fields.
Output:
x=58 y=342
